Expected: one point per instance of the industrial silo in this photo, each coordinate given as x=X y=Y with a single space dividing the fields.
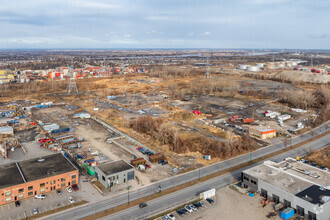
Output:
x=242 y=66
x=253 y=68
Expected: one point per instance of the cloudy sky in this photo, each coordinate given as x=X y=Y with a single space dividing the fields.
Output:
x=303 y=24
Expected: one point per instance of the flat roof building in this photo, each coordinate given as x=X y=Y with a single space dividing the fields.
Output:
x=114 y=172
x=27 y=178
x=295 y=184
x=262 y=132
x=6 y=130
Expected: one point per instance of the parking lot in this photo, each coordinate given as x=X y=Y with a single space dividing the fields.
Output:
x=51 y=202
x=229 y=204
x=86 y=192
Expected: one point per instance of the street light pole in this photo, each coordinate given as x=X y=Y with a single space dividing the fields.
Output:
x=128 y=194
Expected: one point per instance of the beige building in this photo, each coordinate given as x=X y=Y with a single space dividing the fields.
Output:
x=262 y=133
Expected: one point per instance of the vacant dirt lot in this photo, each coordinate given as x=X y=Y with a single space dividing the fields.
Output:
x=322 y=157
x=107 y=143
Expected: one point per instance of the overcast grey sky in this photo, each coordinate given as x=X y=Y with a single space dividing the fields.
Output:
x=303 y=24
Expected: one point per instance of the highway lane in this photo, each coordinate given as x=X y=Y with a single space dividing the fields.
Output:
x=114 y=201
x=180 y=197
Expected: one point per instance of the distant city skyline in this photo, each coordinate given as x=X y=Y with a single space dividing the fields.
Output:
x=128 y=24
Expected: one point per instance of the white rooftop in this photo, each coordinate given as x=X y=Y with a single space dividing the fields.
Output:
x=290 y=175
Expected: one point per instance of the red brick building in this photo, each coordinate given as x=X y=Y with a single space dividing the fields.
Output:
x=28 y=178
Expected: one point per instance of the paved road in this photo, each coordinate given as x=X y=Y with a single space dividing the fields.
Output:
x=120 y=199
x=188 y=194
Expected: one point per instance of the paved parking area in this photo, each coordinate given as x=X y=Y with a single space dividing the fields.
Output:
x=86 y=192
x=229 y=204
x=52 y=201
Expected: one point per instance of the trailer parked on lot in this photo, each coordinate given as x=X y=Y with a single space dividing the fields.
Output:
x=61 y=130
x=207 y=194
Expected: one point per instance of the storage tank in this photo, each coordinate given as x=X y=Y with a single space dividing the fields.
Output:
x=294 y=63
x=242 y=66
x=261 y=65
x=253 y=68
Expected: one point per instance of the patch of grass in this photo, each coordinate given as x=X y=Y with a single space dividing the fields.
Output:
x=202 y=179
x=56 y=210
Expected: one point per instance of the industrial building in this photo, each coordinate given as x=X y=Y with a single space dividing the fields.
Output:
x=262 y=133
x=20 y=180
x=7 y=131
x=114 y=172
x=294 y=184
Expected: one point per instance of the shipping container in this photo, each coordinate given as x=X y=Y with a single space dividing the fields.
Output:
x=61 y=130
x=91 y=171
x=287 y=213
x=284 y=117
x=247 y=120
x=67 y=140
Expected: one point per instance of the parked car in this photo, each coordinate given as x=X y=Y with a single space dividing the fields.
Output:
x=193 y=207
x=210 y=200
x=148 y=166
x=164 y=162
x=171 y=216
x=160 y=161
x=188 y=208
x=199 y=204
x=45 y=140
x=180 y=212
x=143 y=204
x=69 y=189
x=71 y=200
x=165 y=217
x=17 y=203
x=75 y=187
x=40 y=196
x=184 y=210
x=59 y=192
x=35 y=211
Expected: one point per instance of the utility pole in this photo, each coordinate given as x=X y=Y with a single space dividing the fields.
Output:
x=207 y=74
x=311 y=60
x=128 y=194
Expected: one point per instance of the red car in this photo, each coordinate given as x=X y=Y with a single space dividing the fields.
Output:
x=139 y=148
x=45 y=140
x=75 y=187
x=148 y=166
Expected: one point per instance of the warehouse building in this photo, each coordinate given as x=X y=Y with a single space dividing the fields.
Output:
x=262 y=133
x=4 y=131
x=294 y=184
x=20 y=180
x=114 y=172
